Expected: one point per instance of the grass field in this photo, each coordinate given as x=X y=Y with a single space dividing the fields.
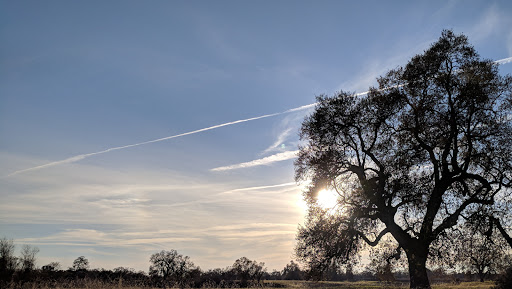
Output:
x=376 y=284
x=302 y=285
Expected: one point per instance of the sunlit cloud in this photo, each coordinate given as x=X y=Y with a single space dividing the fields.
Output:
x=143 y=211
x=247 y=239
x=260 y=162
x=88 y=237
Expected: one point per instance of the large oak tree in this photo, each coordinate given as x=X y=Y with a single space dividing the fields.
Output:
x=426 y=151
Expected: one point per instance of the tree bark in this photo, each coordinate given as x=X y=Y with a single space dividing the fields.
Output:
x=417 y=260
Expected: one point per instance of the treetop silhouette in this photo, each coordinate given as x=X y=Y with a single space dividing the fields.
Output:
x=427 y=150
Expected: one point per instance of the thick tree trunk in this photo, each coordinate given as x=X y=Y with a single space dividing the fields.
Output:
x=418 y=270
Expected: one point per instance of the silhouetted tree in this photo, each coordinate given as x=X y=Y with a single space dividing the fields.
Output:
x=171 y=267
x=349 y=272
x=275 y=275
x=427 y=149
x=52 y=266
x=505 y=280
x=385 y=259
x=8 y=262
x=292 y=271
x=80 y=264
x=28 y=257
x=248 y=270
x=482 y=255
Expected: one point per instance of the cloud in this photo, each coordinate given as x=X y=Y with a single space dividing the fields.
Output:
x=494 y=22
x=488 y=23
x=280 y=140
x=88 y=237
x=260 y=162
x=206 y=245
x=134 y=213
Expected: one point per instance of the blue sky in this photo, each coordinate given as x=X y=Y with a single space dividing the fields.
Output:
x=80 y=78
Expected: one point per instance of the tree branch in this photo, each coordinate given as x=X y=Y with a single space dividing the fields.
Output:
x=451 y=220
x=377 y=239
x=502 y=230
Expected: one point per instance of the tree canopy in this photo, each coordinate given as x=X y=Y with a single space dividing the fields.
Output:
x=172 y=267
x=80 y=263
x=247 y=269
x=427 y=150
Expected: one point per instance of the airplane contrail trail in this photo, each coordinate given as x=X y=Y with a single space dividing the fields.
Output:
x=83 y=156
x=503 y=61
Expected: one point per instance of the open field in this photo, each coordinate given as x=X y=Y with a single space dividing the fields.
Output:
x=332 y=285
x=376 y=284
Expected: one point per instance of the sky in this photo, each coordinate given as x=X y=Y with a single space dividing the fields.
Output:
x=131 y=127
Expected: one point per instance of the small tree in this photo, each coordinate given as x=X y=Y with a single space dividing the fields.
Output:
x=247 y=270
x=28 y=257
x=292 y=271
x=482 y=255
x=8 y=262
x=52 y=266
x=505 y=280
x=171 y=268
x=80 y=264
x=384 y=261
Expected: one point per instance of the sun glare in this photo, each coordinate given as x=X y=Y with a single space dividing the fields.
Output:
x=327 y=199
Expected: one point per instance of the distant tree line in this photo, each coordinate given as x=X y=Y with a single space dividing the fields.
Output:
x=169 y=269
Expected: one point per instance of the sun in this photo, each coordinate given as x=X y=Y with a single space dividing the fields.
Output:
x=327 y=199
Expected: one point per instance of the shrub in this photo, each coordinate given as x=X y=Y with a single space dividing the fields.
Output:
x=505 y=280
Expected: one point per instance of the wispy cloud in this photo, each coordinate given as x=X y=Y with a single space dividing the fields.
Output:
x=274 y=158
x=204 y=245
x=280 y=140
x=488 y=23
x=260 y=162
x=137 y=212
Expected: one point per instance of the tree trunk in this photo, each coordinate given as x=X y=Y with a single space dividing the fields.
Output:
x=417 y=269
x=482 y=276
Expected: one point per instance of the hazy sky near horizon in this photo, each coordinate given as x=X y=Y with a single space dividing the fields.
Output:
x=119 y=120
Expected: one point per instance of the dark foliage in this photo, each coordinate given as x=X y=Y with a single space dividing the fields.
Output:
x=248 y=271
x=505 y=280
x=80 y=264
x=171 y=268
x=426 y=151
x=292 y=271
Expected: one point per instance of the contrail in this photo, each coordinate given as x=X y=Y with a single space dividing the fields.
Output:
x=83 y=156
x=503 y=61
x=259 y=162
